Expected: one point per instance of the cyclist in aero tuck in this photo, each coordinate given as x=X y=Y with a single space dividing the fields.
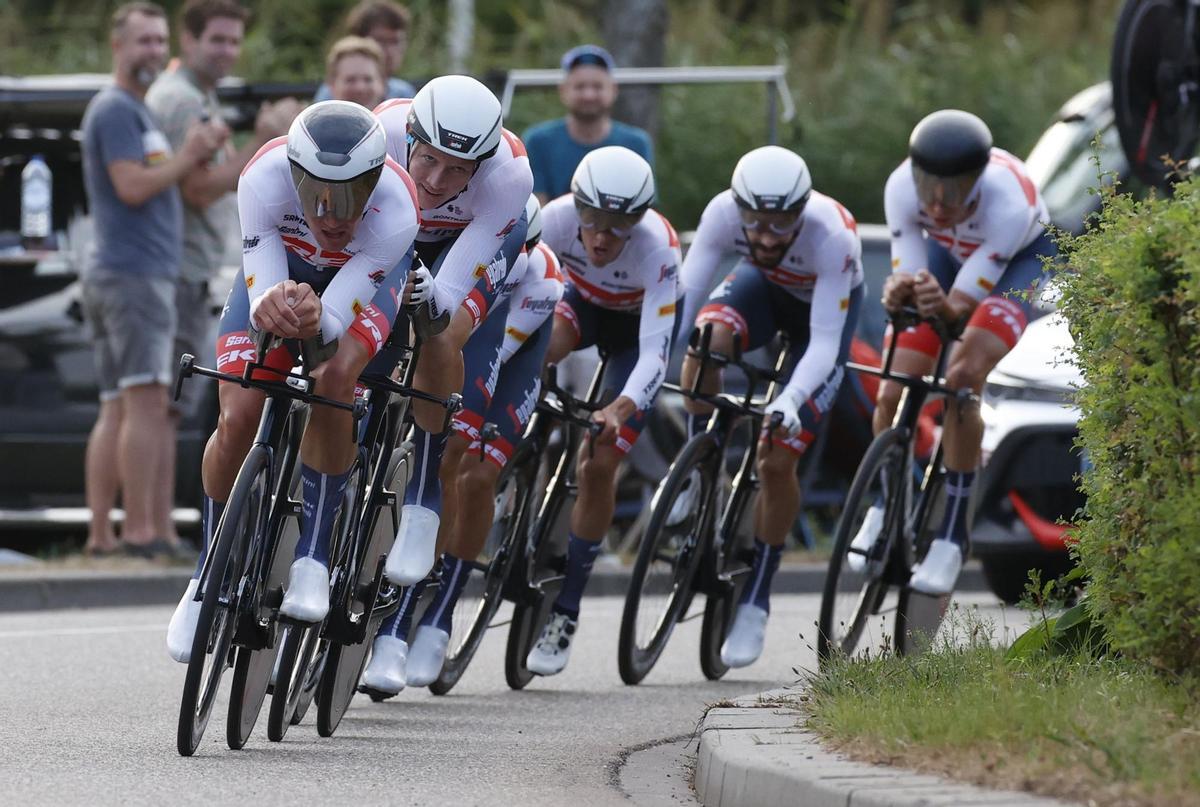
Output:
x=800 y=270
x=328 y=223
x=473 y=180
x=968 y=244
x=621 y=260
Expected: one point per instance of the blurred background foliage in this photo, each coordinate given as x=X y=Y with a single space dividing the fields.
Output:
x=861 y=72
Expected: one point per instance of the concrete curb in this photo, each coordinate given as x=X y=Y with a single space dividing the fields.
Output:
x=753 y=755
x=35 y=589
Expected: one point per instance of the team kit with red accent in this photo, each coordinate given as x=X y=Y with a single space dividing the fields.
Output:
x=347 y=226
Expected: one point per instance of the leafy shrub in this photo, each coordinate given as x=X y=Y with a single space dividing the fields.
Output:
x=1132 y=297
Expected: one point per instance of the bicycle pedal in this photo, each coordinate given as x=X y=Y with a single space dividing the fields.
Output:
x=376 y=695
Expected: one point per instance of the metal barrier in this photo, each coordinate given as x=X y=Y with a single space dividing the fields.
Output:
x=774 y=76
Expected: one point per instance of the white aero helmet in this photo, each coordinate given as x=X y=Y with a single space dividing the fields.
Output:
x=337 y=150
x=456 y=115
x=771 y=179
x=613 y=179
x=533 y=218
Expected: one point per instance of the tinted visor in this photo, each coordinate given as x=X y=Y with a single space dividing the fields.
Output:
x=949 y=192
x=619 y=224
x=342 y=201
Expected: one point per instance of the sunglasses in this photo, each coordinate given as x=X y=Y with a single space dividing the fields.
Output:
x=777 y=223
x=619 y=224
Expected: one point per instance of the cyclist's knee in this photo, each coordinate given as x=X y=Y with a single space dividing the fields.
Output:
x=968 y=372
x=338 y=376
x=237 y=423
x=776 y=465
x=477 y=479
x=888 y=397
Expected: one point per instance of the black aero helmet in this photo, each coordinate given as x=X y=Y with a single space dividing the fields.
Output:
x=949 y=143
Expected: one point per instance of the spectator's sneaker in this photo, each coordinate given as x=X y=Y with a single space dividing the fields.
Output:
x=865 y=538
x=307 y=597
x=412 y=554
x=685 y=503
x=744 y=643
x=387 y=674
x=937 y=574
x=427 y=655
x=182 y=629
x=549 y=656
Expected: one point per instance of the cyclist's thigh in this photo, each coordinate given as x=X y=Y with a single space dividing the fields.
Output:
x=481 y=370
x=515 y=397
x=578 y=315
x=742 y=303
x=1012 y=305
x=373 y=325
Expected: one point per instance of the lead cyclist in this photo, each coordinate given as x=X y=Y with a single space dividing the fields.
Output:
x=472 y=181
x=968 y=246
x=328 y=223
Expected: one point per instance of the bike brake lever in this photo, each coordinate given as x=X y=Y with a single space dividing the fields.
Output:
x=186 y=362
x=489 y=433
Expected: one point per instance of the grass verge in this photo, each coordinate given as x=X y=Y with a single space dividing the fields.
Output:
x=1104 y=732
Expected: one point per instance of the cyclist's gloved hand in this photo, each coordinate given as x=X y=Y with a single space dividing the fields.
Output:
x=788 y=407
x=420 y=287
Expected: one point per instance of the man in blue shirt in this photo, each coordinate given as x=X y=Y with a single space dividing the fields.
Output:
x=587 y=91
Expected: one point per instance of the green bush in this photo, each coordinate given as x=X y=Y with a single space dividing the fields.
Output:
x=1132 y=297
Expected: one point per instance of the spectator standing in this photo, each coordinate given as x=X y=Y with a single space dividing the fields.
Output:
x=354 y=71
x=210 y=39
x=588 y=91
x=386 y=23
x=128 y=284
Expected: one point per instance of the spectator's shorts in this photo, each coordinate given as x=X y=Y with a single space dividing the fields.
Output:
x=133 y=325
x=193 y=321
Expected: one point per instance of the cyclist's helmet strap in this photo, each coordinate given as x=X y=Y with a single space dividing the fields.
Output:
x=949 y=143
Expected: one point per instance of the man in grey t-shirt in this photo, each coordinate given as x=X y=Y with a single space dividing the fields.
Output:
x=210 y=42
x=128 y=282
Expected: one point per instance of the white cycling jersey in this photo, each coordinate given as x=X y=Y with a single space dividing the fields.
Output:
x=533 y=300
x=642 y=279
x=479 y=218
x=1007 y=215
x=275 y=234
x=821 y=267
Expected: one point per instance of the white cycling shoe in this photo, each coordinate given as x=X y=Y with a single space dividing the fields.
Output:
x=307 y=597
x=387 y=672
x=553 y=649
x=412 y=554
x=864 y=539
x=744 y=644
x=937 y=574
x=182 y=629
x=685 y=503
x=427 y=655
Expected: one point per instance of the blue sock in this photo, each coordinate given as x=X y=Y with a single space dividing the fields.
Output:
x=581 y=556
x=322 y=498
x=399 y=623
x=758 y=589
x=425 y=488
x=210 y=515
x=455 y=573
x=958 y=491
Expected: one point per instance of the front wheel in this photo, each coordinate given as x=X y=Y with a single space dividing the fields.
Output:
x=245 y=515
x=737 y=559
x=670 y=552
x=850 y=597
x=1156 y=100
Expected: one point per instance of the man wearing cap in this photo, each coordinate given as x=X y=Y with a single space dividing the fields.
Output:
x=588 y=91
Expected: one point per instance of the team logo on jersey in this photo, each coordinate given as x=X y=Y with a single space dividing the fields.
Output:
x=249 y=281
x=666 y=272
x=249 y=243
x=849 y=264
x=495 y=272
x=666 y=310
x=377 y=277
x=508 y=228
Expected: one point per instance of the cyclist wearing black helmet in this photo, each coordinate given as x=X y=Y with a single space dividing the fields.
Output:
x=968 y=238
x=328 y=223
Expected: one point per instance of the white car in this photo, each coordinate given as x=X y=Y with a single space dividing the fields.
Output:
x=1028 y=485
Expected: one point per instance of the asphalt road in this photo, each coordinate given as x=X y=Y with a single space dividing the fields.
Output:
x=90 y=698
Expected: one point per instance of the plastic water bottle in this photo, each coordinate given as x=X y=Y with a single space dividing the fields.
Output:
x=35 y=202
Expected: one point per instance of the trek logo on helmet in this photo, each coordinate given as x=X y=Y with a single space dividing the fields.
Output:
x=456 y=141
